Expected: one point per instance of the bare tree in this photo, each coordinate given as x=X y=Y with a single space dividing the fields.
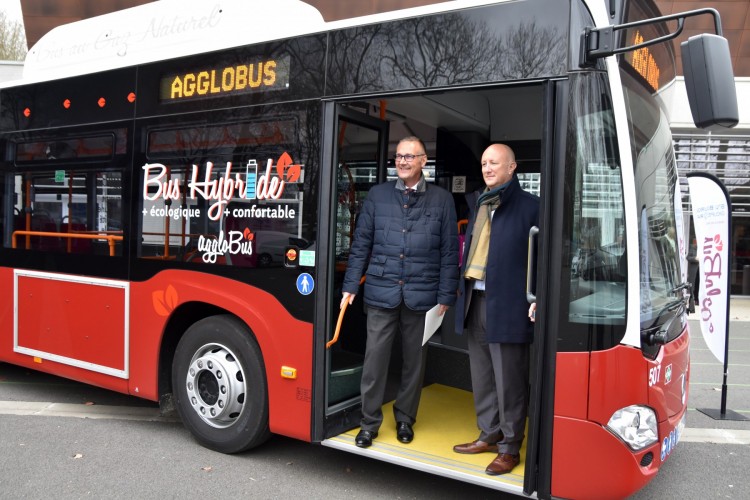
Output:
x=530 y=51
x=425 y=52
x=351 y=65
x=12 y=39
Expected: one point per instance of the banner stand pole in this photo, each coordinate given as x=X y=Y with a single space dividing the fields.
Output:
x=722 y=413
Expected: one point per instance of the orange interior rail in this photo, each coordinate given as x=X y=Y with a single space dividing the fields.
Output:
x=110 y=238
x=340 y=320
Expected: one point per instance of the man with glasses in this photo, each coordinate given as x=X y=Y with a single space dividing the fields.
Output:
x=492 y=307
x=406 y=244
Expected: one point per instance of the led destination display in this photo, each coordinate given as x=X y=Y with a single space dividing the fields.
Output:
x=258 y=76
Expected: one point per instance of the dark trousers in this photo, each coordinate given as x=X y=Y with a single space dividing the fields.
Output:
x=499 y=380
x=382 y=327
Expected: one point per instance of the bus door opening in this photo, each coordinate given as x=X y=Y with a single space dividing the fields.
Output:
x=360 y=164
x=456 y=128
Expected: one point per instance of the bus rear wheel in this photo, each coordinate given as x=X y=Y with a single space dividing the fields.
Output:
x=219 y=383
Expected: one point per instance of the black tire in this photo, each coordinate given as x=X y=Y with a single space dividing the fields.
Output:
x=223 y=401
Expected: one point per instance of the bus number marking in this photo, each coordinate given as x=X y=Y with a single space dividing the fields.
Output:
x=653 y=375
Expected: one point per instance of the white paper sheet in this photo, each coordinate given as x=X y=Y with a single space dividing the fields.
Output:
x=432 y=321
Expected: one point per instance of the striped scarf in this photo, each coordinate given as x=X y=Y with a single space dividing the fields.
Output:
x=476 y=264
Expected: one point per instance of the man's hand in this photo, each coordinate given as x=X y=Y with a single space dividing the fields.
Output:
x=348 y=297
x=532 y=312
x=442 y=309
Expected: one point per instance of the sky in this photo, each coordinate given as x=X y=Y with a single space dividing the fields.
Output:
x=12 y=8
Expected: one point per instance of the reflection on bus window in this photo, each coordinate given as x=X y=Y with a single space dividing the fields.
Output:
x=597 y=257
x=531 y=182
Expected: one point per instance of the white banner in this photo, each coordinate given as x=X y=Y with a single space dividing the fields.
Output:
x=711 y=211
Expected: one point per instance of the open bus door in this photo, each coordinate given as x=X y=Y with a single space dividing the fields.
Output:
x=355 y=151
x=359 y=158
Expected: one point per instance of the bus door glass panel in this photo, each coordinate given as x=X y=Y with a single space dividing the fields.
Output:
x=228 y=194
x=68 y=211
x=595 y=255
x=656 y=180
x=360 y=165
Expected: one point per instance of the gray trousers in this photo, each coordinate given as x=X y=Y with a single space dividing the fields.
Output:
x=382 y=327
x=499 y=379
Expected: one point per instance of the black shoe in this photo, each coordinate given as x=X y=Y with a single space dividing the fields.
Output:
x=404 y=432
x=364 y=438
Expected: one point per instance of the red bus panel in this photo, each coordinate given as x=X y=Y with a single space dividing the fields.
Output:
x=76 y=321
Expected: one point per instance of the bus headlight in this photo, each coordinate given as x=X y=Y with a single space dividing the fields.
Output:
x=636 y=425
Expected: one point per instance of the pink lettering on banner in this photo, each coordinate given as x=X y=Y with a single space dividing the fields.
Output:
x=712 y=271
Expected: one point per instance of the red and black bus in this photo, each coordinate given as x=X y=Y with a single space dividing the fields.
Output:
x=179 y=184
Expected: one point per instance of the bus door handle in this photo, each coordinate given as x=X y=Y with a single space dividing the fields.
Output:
x=530 y=297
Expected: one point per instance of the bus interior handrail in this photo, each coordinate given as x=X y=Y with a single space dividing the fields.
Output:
x=110 y=238
x=341 y=320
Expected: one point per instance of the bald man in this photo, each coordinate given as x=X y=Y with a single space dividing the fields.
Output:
x=493 y=310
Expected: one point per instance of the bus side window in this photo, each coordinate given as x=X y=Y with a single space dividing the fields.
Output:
x=66 y=211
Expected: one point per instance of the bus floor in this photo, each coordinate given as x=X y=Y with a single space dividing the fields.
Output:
x=446 y=417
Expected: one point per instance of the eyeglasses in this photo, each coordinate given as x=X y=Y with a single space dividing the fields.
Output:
x=408 y=158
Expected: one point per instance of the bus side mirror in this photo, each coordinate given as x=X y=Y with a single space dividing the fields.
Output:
x=709 y=81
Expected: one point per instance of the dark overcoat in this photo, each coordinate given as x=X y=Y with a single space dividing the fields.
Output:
x=507 y=307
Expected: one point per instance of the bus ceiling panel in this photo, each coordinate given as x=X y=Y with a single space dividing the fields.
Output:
x=452 y=110
x=484 y=111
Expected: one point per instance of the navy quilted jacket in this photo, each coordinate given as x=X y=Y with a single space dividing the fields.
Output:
x=408 y=247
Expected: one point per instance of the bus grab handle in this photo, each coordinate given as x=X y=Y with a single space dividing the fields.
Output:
x=338 y=326
x=340 y=320
x=530 y=297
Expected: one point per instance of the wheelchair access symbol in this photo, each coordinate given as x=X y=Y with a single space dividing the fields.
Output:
x=305 y=284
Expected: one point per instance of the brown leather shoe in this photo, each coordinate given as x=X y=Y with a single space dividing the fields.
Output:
x=475 y=447
x=503 y=464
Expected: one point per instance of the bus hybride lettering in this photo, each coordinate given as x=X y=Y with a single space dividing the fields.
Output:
x=180 y=187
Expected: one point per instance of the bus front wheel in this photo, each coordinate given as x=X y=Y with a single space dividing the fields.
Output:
x=219 y=383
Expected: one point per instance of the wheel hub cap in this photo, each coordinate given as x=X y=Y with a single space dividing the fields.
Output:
x=215 y=385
